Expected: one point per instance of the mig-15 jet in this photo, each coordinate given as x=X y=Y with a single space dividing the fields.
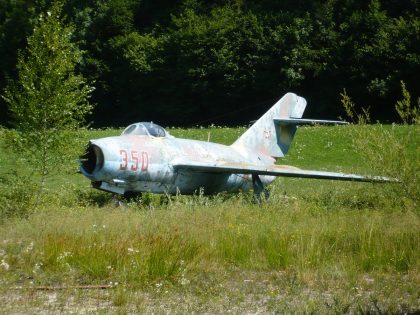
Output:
x=146 y=158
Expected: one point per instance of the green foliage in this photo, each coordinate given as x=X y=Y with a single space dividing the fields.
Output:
x=16 y=197
x=180 y=61
x=351 y=112
x=135 y=247
x=228 y=44
x=410 y=114
x=138 y=51
x=388 y=151
x=48 y=99
x=322 y=246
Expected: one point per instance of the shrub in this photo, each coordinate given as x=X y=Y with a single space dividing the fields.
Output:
x=386 y=149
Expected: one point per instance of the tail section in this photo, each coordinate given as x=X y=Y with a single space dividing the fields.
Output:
x=273 y=133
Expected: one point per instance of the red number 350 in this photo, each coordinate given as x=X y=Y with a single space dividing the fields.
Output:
x=133 y=159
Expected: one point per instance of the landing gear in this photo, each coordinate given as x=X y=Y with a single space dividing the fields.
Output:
x=259 y=189
x=131 y=195
x=122 y=200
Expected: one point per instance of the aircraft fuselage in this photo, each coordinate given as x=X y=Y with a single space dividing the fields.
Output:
x=137 y=163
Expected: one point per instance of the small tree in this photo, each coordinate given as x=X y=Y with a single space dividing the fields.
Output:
x=48 y=99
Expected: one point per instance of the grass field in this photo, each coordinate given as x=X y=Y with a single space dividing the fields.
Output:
x=314 y=247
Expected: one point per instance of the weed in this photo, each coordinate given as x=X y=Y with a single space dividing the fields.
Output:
x=410 y=114
x=120 y=297
x=17 y=200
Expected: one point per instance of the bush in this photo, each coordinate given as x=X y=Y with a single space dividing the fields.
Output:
x=386 y=149
x=17 y=196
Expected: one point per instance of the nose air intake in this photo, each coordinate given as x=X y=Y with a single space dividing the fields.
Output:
x=93 y=159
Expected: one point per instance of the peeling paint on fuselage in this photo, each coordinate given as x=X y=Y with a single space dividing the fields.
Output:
x=145 y=163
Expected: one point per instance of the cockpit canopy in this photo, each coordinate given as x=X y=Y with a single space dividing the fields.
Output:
x=145 y=129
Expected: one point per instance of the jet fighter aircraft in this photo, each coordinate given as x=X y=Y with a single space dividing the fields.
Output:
x=145 y=158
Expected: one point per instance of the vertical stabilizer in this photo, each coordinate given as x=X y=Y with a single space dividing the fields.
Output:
x=268 y=136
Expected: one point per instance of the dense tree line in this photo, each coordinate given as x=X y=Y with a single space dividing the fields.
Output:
x=190 y=62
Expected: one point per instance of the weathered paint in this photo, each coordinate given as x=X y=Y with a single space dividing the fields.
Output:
x=163 y=154
x=165 y=164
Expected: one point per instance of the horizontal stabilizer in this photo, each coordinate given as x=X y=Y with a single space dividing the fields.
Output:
x=277 y=170
x=299 y=121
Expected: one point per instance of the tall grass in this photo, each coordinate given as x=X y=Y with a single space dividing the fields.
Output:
x=139 y=246
x=315 y=245
x=310 y=236
x=391 y=150
x=78 y=236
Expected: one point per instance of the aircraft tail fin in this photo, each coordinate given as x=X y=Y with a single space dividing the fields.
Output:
x=273 y=133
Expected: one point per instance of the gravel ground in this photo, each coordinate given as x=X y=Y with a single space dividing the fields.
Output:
x=236 y=293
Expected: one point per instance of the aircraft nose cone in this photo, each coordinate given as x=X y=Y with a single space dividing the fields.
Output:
x=92 y=160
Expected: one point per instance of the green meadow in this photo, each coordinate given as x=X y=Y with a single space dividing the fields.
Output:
x=315 y=246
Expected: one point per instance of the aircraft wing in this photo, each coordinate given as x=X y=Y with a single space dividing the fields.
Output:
x=275 y=170
x=302 y=121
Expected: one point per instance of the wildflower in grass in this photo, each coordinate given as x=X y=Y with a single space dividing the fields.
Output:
x=183 y=281
x=37 y=267
x=133 y=263
x=132 y=250
x=63 y=256
x=4 y=265
x=30 y=247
